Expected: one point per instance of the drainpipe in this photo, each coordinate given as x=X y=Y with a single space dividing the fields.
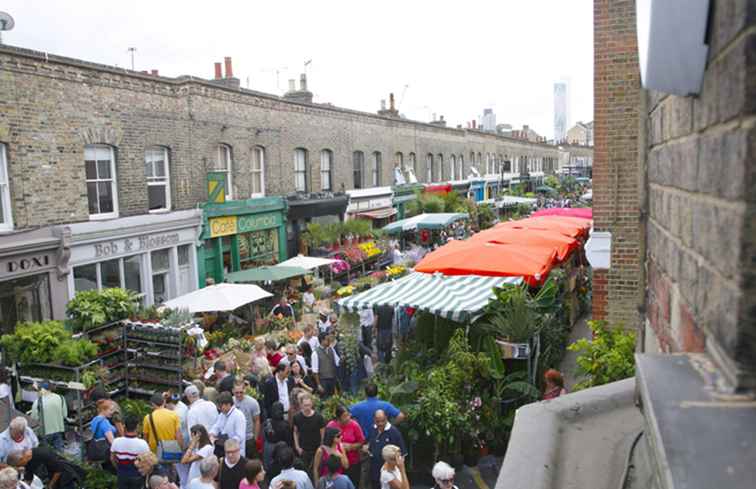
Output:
x=643 y=198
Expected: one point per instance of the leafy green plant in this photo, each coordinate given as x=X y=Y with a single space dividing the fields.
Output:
x=92 y=308
x=177 y=318
x=46 y=342
x=74 y=352
x=327 y=407
x=606 y=358
x=136 y=407
x=486 y=216
x=89 y=379
x=97 y=478
x=315 y=235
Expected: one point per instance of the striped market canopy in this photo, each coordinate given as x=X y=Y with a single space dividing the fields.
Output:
x=458 y=298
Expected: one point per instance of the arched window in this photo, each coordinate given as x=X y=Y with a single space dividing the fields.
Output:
x=377 y=168
x=413 y=163
x=102 y=189
x=157 y=173
x=472 y=158
x=479 y=163
x=399 y=160
x=358 y=163
x=258 y=171
x=300 y=170
x=224 y=163
x=438 y=168
x=429 y=168
x=489 y=164
x=453 y=167
x=326 y=165
x=461 y=167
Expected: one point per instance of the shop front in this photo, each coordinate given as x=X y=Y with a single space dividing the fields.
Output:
x=320 y=208
x=153 y=255
x=375 y=204
x=404 y=194
x=241 y=234
x=32 y=288
x=477 y=190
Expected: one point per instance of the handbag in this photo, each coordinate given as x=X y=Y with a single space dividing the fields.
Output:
x=220 y=446
x=97 y=450
x=168 y=451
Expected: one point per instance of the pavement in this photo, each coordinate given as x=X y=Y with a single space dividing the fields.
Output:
x=569 y=362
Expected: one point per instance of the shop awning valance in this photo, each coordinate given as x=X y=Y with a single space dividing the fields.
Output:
x=265 y=274
x=580 y=212
x=512 y=201
x=424 y=221
x=378 y=213
x=306 y=262
x=458 y=298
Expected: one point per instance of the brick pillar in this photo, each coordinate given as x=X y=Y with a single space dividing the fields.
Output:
x=616 y=198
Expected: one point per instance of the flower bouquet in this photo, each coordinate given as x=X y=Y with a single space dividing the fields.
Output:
x=370 y=249
x=345 y=291
x=395 y=271
x=340 y=266
x=354 y=255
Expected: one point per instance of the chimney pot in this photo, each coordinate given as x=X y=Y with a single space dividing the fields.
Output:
x=303 y=82
x=229 y=70
x=383 y=104
x=292 y=85
x=441 y=118
x=391 y=102
x=154 y=72
x=218 y=71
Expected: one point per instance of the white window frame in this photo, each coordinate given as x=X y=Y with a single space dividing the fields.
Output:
x=121 y=272
x=413 y=163
x=7 y=224
x=326 y=170
x=461 y=166
x=452 y=166
x=113 y=181
x=154 y=181
x=258 y=155
x=429 y=168
x=300 y=172
x=225 y=163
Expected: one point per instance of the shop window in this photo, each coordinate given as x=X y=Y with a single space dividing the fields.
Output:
x=358 y=165
x=300 y=170
x=224 y=163
x=161 y=274
x=377 y=168
x=258 y=171
x=158 y=180
x=120 y=272
x=110 y=274
x=452 y=167
x=99 y=161
x=429 y=168
x=24 y=299
x=6 y=216
x=132 y=271
x=479 y=162
x=326 y=163
x=185 y=278
x=258 y=247
x=85 y=277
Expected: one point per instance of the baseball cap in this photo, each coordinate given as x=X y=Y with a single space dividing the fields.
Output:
x=191 y=391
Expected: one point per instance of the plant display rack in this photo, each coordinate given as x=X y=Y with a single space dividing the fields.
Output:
x=155 y=358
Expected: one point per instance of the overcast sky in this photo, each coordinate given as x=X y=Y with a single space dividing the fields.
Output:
x=453 y=57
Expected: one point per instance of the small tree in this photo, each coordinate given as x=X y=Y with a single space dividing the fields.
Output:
x=608 y=357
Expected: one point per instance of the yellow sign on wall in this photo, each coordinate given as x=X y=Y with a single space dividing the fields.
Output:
x=222 y=226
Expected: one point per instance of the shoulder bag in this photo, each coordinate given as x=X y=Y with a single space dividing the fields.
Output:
x=97 y=450
x=168 y=451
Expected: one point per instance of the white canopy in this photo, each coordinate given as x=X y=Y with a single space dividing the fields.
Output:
x=220 y=297
x=306 y=262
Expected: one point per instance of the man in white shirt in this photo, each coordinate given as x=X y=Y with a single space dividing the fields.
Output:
x=299 y=477
x=200 y=411
x=367 y=318
x=231 y=423
x=276 y=388
x=308 y=299
x=324 y=363
x=291 y=357
x=309 y=337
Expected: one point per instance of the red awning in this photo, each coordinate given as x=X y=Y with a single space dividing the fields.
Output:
x=443 y=188
x=378 y=213
x=564 y=245
x=581 y=212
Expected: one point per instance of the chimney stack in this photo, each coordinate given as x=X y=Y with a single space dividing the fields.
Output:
x=303 y=82
x=391 y=102
x=154 y=72
x=218 y=71
x=441 y=119
x=229 y=70
x=292 y=85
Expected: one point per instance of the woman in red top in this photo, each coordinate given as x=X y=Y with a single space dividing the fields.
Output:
x=352 y=439
x=274 y=354
x=554 y=384
x=331 y=446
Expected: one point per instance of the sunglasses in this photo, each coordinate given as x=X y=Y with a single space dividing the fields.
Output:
x=446 y=481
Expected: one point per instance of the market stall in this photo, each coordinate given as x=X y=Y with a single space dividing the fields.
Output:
x=275 y=273
x=581 y=212
x=564 y=245
x=220 y=297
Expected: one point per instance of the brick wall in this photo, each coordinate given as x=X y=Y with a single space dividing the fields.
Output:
x=616 y=200
x=50 y=107
x=701 y=242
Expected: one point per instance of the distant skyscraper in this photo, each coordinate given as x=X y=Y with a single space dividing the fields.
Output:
x=561 y=109
x=488 y=121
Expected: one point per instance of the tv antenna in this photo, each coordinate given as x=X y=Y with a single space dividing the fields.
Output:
x=277 y=71
x=404 y=92
x=6 y=24
x=132 y=51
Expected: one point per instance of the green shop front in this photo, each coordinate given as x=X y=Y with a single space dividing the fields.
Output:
x=403 y=195
x=241 y=234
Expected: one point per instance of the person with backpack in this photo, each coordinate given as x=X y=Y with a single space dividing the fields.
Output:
x=51 y=410
x=334 y=479
x=162 y=430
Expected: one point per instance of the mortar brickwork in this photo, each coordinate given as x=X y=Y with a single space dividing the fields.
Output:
x=616 y=196
x=51 y=107
x=701 y=243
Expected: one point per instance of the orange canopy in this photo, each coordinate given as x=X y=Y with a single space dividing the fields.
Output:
x=491 y=259
x=574 y=227
x=564 y=245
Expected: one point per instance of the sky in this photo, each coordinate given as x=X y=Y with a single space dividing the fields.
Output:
x=445 y=57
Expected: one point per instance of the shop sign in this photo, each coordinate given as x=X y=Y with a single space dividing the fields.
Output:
x=256 y=222
x=222 y=226
x=216 y=187
x=132 y=245
x=24 y=264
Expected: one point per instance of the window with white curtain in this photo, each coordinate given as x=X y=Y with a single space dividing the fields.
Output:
x=429 y=168
x=452 y=167
x=461 y=167
x=157 y=173
x=161 y=275
x=326 y=162
x=258 y=171
x=6 y=216
x=300 y=169
x=377 y=164
x=224 y=163
x=99 y=161
x=413 y=163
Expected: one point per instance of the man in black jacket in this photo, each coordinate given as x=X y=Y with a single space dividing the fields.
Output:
x=276 y=388
x=62 y=473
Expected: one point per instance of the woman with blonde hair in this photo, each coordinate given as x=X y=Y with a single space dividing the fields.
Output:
x=147 y=465
x=393 y=472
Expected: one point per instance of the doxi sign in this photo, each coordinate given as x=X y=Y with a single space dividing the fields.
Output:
x=26 y=264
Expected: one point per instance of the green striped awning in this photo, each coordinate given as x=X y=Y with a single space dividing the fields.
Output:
x=458 y=297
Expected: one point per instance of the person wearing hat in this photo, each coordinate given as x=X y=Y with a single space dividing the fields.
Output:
x=51 y=410
x=200 y=411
